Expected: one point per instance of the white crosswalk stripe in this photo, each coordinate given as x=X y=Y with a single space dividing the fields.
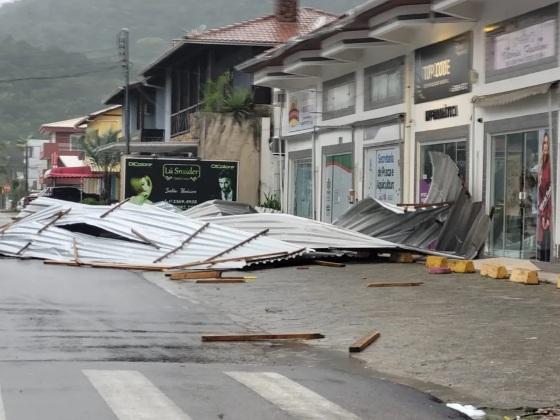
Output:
x=132 y=396
x=291 y=397
x=2 y=410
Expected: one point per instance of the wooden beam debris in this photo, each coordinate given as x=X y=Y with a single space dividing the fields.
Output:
x=260 y=337
x=59 y=216
x=364 y=342
x=112 y=209
x=329 y=264
x=411 y=284
x=239 y=245
x=221 y=281
x=183 y=244
x=145 y=239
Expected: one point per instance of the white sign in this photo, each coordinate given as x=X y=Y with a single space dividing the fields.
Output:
x=301 y=109
x=526 y=45
x=384 y=174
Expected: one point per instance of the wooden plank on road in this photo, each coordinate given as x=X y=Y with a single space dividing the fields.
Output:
x=411 y=284
x=364 y=342
x=261 y=337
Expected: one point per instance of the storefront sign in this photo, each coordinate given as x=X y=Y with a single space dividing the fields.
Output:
x=443 y=69
x=181 y=182
x=301 y=110
x=441 y=113
x=384 y=175
x=526 y=45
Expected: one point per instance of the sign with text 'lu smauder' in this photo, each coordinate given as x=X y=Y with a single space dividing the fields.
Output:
x=181 y=182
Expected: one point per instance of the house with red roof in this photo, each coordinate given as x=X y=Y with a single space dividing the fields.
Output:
x=173 y=85
x=166 y=106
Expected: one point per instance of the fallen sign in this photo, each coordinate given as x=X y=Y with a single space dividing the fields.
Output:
x=260 y=337
x=364 y=342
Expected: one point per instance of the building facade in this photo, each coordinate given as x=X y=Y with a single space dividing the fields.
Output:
x=366 y=98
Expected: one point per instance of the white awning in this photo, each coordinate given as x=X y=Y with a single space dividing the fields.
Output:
x=511 y=96
x=71 y=161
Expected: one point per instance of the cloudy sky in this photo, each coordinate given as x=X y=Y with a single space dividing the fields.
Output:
x=5 y=1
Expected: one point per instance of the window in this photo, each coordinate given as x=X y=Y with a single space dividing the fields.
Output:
x=522 y=45
x=384 y=84
x=457 y=150
x=339 y=97
x=76 y=142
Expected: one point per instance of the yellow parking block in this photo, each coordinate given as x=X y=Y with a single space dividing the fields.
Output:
x=460 y=266
x=436 y=262
x=524 y=276
x=494 y=271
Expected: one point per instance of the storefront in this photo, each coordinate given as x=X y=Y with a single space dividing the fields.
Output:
x=442 y=73
x=337 y=181
x=301 y=169
x=521 y=170
x=382 y=177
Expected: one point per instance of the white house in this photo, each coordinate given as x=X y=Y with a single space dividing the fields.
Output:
x=367 y=96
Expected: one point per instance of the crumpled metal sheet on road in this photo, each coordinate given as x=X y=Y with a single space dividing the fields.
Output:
x=454 y=226
x=302 y=232
x=133 y=235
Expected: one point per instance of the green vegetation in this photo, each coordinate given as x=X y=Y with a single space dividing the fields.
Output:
x=105 y=161
x=272 y=201
x=219 y=96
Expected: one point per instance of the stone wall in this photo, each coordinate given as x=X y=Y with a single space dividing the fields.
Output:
x=222 y=138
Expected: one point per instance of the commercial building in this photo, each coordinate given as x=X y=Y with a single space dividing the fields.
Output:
x=364 y=99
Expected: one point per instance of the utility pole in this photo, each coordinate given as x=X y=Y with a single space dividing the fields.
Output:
x=124 y=55
x=26 y=189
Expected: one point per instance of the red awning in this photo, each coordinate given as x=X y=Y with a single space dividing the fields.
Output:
x=75 y=172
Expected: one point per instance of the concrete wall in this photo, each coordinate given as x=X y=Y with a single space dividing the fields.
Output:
x=222 y=138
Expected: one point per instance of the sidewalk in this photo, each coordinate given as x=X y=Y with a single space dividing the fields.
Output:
x=460 y=337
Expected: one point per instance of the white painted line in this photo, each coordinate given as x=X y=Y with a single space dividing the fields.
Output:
x=291 y=397
x=132 y=396
x=2 y=410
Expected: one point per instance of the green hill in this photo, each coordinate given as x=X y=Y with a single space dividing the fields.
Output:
x=63 y=37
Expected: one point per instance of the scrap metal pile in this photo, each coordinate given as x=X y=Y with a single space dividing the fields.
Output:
x=154 y=238
x=449 y=224
x=226 y=235
x=132 y=236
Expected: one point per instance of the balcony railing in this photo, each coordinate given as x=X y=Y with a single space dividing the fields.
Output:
x=181 y=121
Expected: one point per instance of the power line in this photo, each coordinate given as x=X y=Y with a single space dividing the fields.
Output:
x=60 y=76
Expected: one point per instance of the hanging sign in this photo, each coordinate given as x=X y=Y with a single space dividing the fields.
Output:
x=443 y=69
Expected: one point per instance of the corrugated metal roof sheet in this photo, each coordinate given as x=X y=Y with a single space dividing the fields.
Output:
x=130 y=226
x=302 y=232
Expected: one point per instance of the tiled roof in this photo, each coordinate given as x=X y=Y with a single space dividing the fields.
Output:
x=62 y=125
x=265 y=30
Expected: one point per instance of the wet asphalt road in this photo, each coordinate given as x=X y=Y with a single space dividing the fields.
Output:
x=103 y=344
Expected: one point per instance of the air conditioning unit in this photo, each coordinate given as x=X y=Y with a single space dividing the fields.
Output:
x=277 y=146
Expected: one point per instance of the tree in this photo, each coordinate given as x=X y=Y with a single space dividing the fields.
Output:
x=103 y=160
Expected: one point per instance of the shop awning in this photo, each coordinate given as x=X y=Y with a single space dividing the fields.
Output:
x=71 y=161
x=511 y=96
x=72 y=172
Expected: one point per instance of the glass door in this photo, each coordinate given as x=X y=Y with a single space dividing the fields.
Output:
x=337 y=182
x=514 y=195
x=303 y=191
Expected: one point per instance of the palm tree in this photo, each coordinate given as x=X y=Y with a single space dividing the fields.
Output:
x=104 y=160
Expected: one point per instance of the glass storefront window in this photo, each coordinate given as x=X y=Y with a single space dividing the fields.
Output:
x=457 y=150
x=337 y=182
x=514 y=195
